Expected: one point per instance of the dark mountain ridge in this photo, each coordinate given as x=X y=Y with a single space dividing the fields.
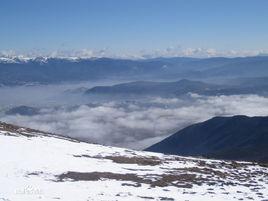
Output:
x=182 y=87
x=155 y=88
x=234 y=138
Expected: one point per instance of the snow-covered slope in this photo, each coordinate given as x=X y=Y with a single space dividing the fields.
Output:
x=37 y=166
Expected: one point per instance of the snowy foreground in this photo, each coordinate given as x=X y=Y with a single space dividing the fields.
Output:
x=37 y=166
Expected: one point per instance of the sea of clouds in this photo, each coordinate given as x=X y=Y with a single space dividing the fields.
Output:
x=138 y=124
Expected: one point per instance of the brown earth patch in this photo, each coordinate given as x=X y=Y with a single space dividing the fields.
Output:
x=181 y=181
x=151 y=161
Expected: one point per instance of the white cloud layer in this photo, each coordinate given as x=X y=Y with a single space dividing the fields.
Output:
x=136 y=126
x=175 y=51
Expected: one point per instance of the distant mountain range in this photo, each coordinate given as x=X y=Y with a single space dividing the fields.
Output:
x=155 y=88
x=54 y=70
x=182 y=87
x=235 y=138
x=23 y=110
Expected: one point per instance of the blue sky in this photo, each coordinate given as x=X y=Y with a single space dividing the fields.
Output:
x=133 y=25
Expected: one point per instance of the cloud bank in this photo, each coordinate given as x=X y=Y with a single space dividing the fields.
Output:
x=135 y=125
x=173 y=51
